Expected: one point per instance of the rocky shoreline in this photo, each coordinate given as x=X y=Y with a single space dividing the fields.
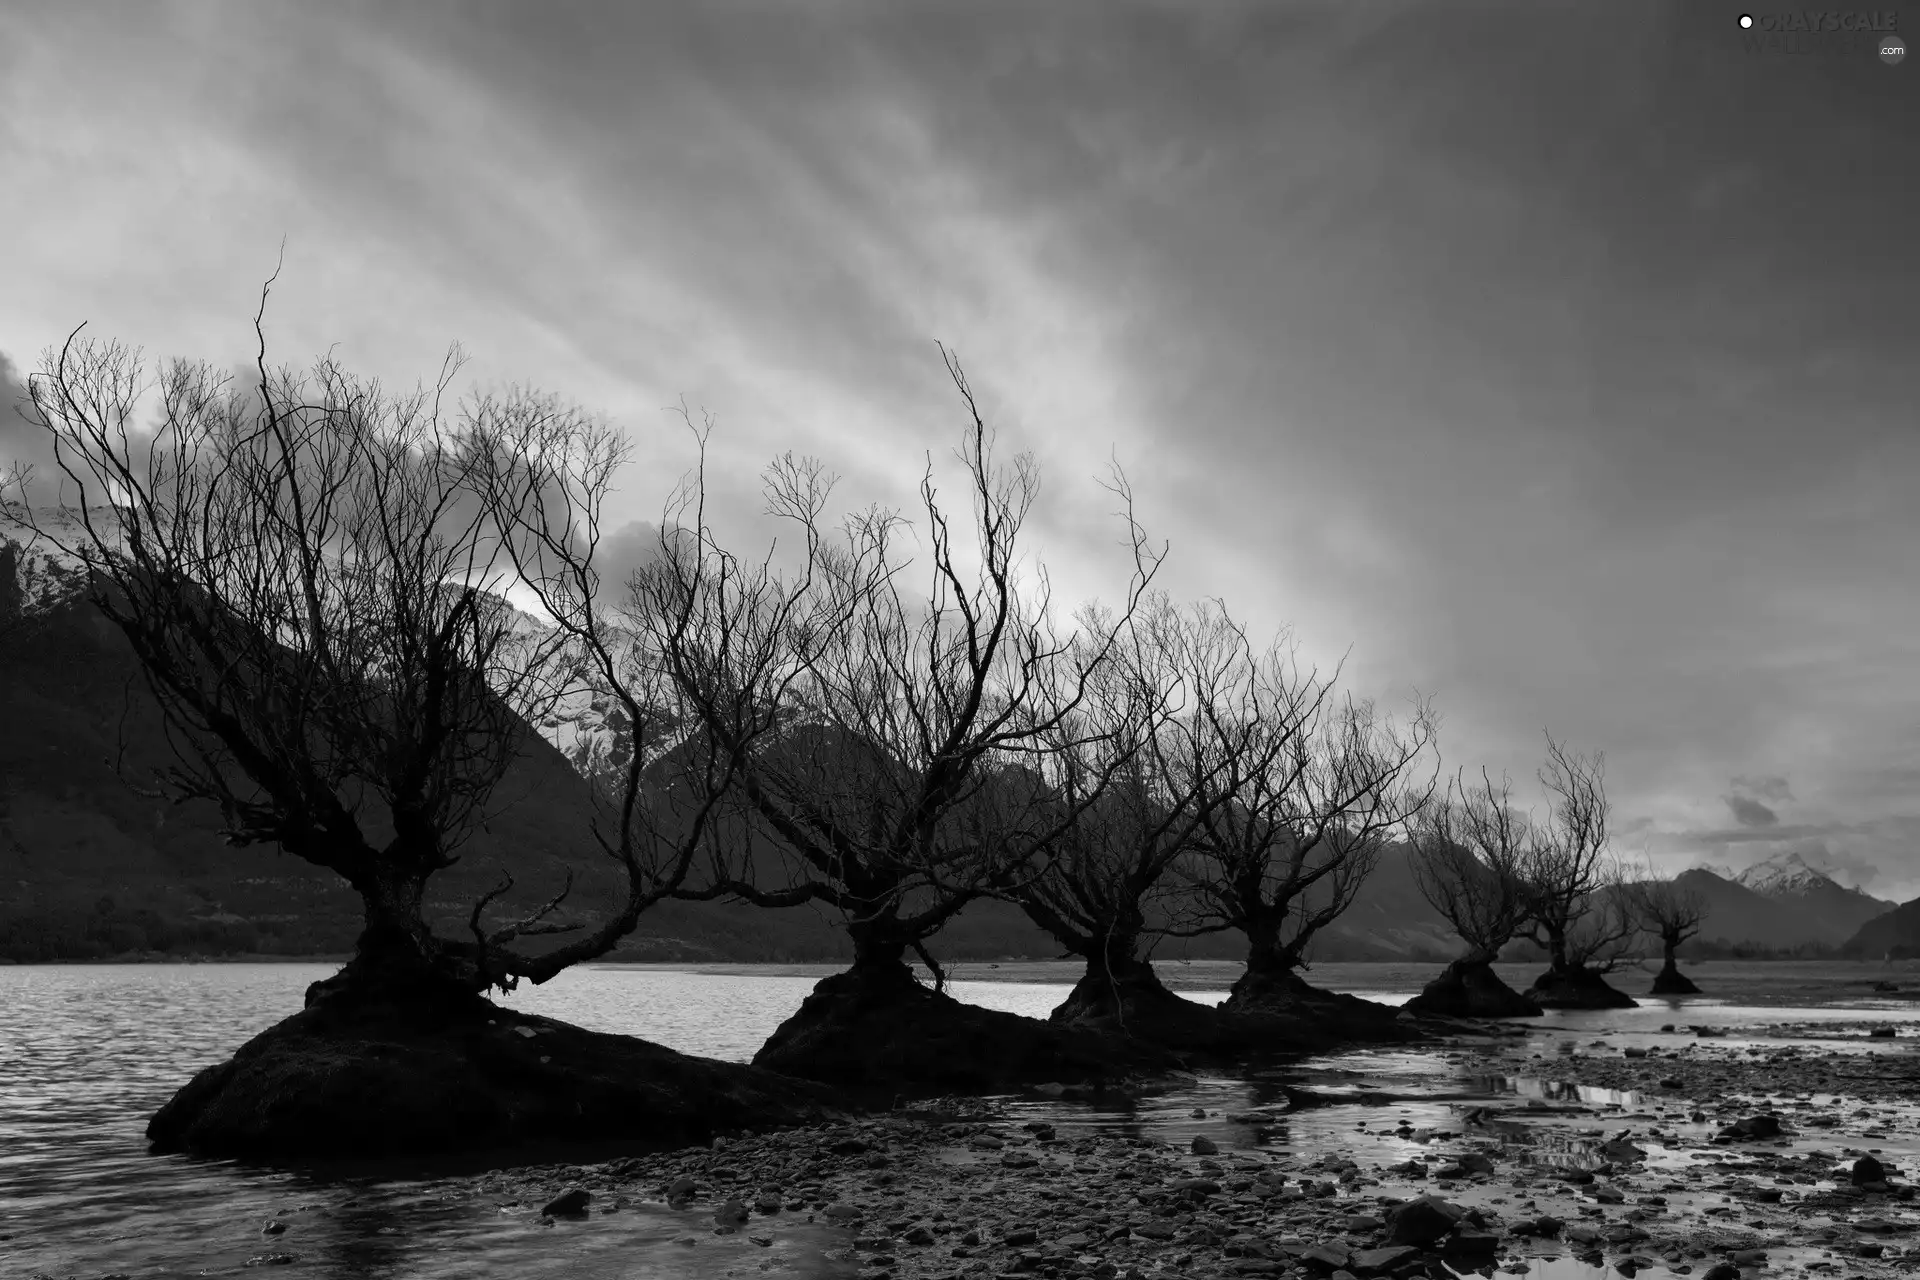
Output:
x=1715 y=1184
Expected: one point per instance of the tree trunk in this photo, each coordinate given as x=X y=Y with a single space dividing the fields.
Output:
x=1273 y=969
x=396 y=959
x=1670 y=981
x=1557 y=950
x=1116 y=982
x=879 y=952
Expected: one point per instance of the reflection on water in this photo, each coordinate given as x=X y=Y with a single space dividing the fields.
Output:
x=91 y=1051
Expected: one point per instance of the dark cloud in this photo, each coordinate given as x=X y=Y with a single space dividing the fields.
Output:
x=1751 y=813
x=1765 y=787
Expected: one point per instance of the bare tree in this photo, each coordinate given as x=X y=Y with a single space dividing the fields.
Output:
x=1579 y=915
x=1673 y=911
x=299 y=571
x=1095 y=880
x=1293 y=824
x=919 y=762
x=1471 y=850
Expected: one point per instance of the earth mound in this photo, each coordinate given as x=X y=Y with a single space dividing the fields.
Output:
x=357 y=1075
x=877 y=1031
x=1578 y=989
x=1466 y=989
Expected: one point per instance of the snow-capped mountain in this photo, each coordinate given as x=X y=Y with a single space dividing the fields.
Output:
x=1816 y=898
x=1790 y=875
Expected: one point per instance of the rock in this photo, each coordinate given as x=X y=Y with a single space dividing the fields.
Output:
x=1882 y=1033
x=731 y=1214
x=1760 y=1126
x=985 y=1142
x=1019 y=1160
x=1324 y=1257
x=920 y=1236
x=1368 y=1262
x=1722 y=1271
x=681 y=1190
x=1023 y=1236
x=843 y=1213
x=273 y=1228
x=378 y=1073
x=1195 y=1186
x=1421 y=1221
x=1866 y=1169
x=571 y=1203
x=1204 y=1146
x=1468 y=1240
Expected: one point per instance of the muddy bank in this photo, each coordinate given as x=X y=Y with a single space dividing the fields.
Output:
x=1775 y=1062
x=962 y=1189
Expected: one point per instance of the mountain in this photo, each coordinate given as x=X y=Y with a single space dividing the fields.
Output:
x=93 y=864
x=90 y=865
x=1894 y=934
x=1814 y=899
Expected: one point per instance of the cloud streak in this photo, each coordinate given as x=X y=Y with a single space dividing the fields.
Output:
x=1583 y=417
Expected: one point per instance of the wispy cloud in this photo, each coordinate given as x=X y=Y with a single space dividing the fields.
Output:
x=1585 y=417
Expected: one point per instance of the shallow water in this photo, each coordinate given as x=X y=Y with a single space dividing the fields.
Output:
x=90 y=1051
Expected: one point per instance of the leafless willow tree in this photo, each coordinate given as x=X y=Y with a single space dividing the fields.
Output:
x=1096 y=879
x=1311 y=789
x=299 y=569
x=1581 y=915
x=917 y=760
x=1672 y=910
x=1470 y=858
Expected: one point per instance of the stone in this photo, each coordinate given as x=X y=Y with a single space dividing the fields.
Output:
x=1421 y=1221
x=1204 y=1146
x=1195 y=1186
x=1023 y=1236
x=1324 y=1257
x=571 y=1203
x=1469 y=1240
x=1760 y=1126
x=1368 y=1262
x=1866 y=1169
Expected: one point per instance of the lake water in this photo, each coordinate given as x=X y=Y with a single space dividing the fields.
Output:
x=88 y=1052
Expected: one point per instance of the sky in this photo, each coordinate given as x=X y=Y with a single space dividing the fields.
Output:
x=1544 y=359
